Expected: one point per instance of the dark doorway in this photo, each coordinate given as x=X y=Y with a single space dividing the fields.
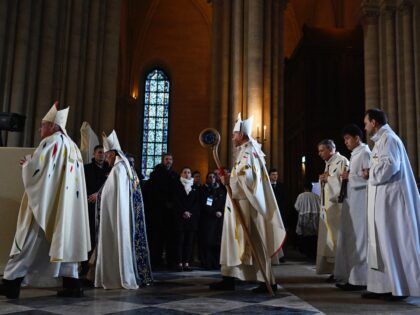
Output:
x=324 y=91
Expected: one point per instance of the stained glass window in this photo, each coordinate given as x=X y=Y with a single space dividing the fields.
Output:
x=155 y=120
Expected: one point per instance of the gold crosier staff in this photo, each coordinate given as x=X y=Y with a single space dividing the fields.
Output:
x=211 y=138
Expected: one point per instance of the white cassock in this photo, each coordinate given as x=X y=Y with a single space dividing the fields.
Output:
x=115 y=260
x=52 y=231
x=251 y=187
x=350 y=264
x=393 y=219
x=330 y=216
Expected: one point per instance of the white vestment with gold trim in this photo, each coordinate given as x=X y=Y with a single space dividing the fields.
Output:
x=330 y=216
x=252 y=189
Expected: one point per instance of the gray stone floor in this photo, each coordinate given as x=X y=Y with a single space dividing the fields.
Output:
x=301 y=292
x=299 y=279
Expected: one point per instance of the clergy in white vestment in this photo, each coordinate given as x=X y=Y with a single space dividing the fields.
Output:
x=88 y=141
x=252 y=189
x=350 y=263
x=393 y=215
x=52 y=233
x=115 y=257
x=330 y=216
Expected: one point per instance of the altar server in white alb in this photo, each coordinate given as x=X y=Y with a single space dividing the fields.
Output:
x=393 y=215
x=307 y=205
x=52 y=233
x=115 y=264
x=252 y=189
x=330 y=216
x=350 y=264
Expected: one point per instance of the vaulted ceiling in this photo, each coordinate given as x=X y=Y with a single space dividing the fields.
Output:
x=319 y=13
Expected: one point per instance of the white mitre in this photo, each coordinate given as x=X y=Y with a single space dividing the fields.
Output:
x=59 y=117
x=50 y=116
x=88 y=141
x=111 y=143
x=244 y=126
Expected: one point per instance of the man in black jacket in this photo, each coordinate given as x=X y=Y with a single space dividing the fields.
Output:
x=159 y=206
x=96 y=173
x=279 y=192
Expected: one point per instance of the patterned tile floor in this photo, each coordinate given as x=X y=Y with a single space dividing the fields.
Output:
x=301 y=292
x=173 y=293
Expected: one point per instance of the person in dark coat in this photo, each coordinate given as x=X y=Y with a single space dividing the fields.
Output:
x=185 y=217
x=196 y=175
x=96 y=173
x=211 y=221
x=159 y=206
x=279 y=192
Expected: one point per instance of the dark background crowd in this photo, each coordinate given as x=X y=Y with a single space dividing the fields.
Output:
x=184 y=216
x=182 y=226
x=186 y=227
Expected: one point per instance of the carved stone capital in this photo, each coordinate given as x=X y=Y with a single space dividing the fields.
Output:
x=388 y=8
x=369 y=12
x=405 y=6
